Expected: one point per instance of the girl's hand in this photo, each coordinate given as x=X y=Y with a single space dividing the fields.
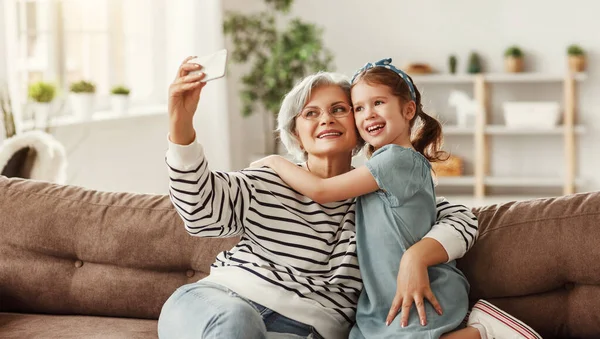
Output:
x=268 y=161
x=412 y=286
x=184 y=94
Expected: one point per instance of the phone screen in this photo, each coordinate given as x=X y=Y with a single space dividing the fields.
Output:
x=213 y=65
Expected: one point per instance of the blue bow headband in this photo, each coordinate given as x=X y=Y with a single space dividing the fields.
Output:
x=387 y=63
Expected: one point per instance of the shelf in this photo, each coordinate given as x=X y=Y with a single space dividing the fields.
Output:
x=68 y=120
x=463 y=181
x=504 y=130
x=527 y=181
x=456 y=181
x=457 y=130
x=526 y=77
x=444 y=79
x=530 y=77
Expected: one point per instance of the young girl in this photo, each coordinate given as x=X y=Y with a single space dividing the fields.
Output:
x=395 y=206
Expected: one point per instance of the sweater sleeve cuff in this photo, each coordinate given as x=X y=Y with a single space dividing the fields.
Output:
x=184 y=157
x=448 y=238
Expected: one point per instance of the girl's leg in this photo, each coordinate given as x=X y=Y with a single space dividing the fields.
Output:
x=209 y=311
x=465 y=333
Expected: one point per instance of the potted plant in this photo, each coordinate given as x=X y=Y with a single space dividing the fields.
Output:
x=42 y=94
x=513 y=59
x=474 y=64
x=452 y=63
x=278 y=56
x=119 y=99
x=82 y=98
x=577 y=60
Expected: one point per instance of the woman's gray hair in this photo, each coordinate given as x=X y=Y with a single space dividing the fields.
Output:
x=295 y=100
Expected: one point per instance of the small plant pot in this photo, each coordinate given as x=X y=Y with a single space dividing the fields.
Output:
x=119 y=103
x=82 y=105
x=513 y=64
x=41 y=113
x=577 y=63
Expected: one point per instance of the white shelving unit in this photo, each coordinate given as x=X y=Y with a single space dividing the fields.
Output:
x=483 y=131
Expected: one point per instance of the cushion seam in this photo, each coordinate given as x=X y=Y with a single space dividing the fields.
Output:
x=92 y=203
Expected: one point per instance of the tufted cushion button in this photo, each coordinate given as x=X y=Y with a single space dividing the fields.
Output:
x=78 y=263
x=569 y=286
x=190 y=273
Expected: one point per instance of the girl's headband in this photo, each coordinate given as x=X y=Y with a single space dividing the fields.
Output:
x=387 y=63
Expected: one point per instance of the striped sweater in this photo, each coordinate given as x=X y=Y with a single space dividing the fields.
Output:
x=295 y=256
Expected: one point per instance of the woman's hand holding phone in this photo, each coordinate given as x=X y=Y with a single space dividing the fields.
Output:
x=184 y=95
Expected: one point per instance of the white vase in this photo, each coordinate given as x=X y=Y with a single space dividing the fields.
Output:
x=42 y=112
x=82 y=105
x=119 y=103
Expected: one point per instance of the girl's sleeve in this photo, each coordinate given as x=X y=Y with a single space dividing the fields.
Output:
x=211 y=204
x=397 y=172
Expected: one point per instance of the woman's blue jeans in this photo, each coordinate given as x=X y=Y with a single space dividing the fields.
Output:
x=210 y=311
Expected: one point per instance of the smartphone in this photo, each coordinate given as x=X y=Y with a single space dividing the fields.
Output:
x=213 y=65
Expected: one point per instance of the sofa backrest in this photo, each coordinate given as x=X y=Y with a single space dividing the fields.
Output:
x=69 y=250
x=540 y=261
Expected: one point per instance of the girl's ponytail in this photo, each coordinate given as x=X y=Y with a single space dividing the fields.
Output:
x=428 y=139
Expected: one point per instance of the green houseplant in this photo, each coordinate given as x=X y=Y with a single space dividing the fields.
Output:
x=474 y=63
x=452 y=63
x=42 y=93
x=513 y=59
x=119 y=99
x=83 y=87
x=577 y=58
x=82 y=98
x=120 y=90
x=278 y=55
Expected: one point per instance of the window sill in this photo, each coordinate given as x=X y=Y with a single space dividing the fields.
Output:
x=99 y=116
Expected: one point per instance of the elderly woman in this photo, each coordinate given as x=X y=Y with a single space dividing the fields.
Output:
x=294 y=273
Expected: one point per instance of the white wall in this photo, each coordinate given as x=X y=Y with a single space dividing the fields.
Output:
x=246 y=134
x=429 y=31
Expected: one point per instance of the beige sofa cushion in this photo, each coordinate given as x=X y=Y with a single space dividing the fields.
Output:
x=69 y=250
x=540 y=261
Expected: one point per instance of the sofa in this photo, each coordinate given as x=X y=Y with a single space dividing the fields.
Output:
x=78 y=263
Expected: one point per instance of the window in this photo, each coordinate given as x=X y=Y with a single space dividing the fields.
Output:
x=63 y=41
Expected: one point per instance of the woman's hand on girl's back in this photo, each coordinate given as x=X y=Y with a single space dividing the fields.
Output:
x=412 y=287
x=184 y=94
